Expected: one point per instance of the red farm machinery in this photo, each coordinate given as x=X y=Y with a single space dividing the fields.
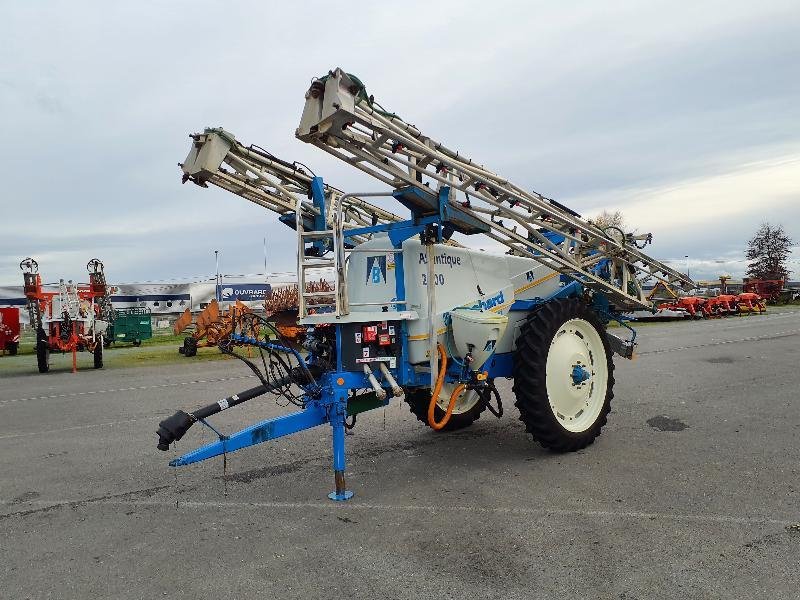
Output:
x=9 y=330
x=73 y=318
x=771 y=290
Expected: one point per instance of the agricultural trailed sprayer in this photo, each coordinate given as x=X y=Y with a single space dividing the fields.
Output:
x=71 y=319
x=410 y=314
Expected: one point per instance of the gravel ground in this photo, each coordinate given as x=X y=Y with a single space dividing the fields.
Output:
x=691 y=491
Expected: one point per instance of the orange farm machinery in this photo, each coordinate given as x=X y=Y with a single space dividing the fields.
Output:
x=72 y=318
x=750 y=302
x=693 y=306
x=724 y=305
x=282 y=307
x=211 y=327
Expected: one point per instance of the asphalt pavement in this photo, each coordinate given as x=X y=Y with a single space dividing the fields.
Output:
x=691 y=491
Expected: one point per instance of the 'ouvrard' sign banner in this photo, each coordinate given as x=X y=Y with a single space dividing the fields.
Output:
x=246 y=292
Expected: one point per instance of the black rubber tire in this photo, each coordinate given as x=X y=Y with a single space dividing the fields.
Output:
x=529 y=367
x=418 y=400
x=189 y=347
x=12 y=348
x=98 y=356
x=137 y=343
x=42 y=351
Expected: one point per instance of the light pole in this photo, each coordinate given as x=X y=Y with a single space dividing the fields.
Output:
x=216 y=280
x=687 y=265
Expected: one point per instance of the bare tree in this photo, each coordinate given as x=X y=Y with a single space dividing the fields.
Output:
x=768 y=251
x=609 y=219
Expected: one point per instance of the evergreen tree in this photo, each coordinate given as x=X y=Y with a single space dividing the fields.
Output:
x=768 y=251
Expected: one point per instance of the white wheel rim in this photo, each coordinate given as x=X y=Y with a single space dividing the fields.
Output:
x=576 y=348
x=465 y=402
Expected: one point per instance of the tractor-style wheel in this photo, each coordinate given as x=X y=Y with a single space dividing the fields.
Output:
x=563 y=375
x=13 y=348
x=98 y=354
x=467 y=409
x=137 y=343
x=42 y=351
x=189 y=347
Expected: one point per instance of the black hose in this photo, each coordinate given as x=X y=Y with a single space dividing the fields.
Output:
x=175 y=427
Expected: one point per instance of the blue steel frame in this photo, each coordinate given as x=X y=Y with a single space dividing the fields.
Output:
x=326 y=401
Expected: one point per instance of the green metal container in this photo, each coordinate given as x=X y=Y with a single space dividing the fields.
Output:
x=132 y=325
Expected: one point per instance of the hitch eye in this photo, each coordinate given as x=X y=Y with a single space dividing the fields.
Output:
x=173 y=429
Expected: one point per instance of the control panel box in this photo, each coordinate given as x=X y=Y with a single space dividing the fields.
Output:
x=373 y=342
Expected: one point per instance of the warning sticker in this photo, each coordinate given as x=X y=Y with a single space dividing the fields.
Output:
x=387 y=359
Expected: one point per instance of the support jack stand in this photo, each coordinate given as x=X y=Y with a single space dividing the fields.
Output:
x=341 y=493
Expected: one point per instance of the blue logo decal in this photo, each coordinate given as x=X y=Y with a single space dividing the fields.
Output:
x=376 y=270
x=496 y=300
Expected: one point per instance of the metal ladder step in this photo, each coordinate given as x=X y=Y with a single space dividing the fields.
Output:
x=321 y=264
x=335 y=298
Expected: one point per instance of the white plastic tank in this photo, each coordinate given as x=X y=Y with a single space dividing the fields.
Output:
x=476 y=331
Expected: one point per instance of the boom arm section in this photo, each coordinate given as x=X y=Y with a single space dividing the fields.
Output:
x=254 y=174
x=342 y=119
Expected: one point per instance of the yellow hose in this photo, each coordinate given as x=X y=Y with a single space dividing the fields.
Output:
x=437 y=390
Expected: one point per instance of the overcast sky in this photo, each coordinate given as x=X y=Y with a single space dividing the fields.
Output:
x=685 y=116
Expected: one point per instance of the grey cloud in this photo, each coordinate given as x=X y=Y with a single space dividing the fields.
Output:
x=574 y=101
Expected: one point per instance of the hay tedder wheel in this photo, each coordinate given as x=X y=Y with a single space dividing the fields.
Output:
x=563 y=375
x=42 y=351
x=189 y=347
x=467 y=410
